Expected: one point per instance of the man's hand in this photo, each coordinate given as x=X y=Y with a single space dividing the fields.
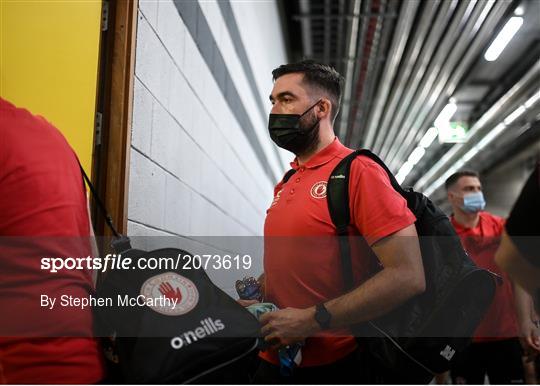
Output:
x=246 y=303
x=530 y=339
x=288 y=326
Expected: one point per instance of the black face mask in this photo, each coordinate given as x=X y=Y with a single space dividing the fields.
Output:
x=289 y=133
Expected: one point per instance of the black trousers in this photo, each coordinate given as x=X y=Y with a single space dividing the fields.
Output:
x=500 y=360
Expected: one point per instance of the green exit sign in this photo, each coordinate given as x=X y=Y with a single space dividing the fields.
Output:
x=453 y=132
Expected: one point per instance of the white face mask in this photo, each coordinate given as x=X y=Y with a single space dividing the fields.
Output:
x=473 y=202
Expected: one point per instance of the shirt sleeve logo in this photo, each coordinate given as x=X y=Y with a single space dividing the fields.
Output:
x=318 y=190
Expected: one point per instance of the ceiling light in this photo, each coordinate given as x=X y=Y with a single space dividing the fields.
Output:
x=514 y=115
x=416 y=155
x=503 y=38
x=404 y=171
x=429 y=137
x=445 y=115
x=519 y=11
x=532 y=100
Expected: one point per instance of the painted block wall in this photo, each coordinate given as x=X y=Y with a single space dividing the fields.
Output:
x=202 y=163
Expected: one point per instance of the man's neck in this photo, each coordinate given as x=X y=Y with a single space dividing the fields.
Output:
x=325 y=140
x=467 y=220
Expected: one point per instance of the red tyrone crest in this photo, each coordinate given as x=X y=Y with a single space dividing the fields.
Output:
x=173 y=287
x=318 y=190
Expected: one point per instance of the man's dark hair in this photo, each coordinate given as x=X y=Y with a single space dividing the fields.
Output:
x=450 y=181
x=317 y=75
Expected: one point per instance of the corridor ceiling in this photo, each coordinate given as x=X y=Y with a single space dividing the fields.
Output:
x=405 y=60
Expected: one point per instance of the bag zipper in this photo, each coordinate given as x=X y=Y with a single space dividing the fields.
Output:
x=398 y=346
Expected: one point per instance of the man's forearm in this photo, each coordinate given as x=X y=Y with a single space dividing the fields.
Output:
x=402 y=278
x=524 y=304
x=377 y=296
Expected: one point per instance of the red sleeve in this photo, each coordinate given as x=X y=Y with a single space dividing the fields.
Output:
x=500 y=222
x=377 y=209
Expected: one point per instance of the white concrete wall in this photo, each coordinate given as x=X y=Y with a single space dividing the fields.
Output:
x=198 y=166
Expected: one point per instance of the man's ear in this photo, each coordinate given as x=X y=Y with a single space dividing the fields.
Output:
x=324 y=107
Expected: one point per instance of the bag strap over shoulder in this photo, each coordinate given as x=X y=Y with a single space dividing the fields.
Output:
x=395 y=184
x=288 y=175
x=337 y=195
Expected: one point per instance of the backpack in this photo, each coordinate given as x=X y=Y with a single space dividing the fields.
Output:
x=420 y=338
x=208 y=338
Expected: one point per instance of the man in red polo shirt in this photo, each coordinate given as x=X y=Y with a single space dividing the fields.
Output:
x=301 y=260
x=43 y=211
x=495 y=350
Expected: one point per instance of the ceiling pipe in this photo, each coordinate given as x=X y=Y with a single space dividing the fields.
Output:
x=490 y=118
x=410 y=61
x=444 y=49
x=439 y=93
x=327 y=26
x=443 y=18
x=351 y=54
x=482 y=32
x=359 y=70
x=306 y=29
x=378 y=49
x=401 y=34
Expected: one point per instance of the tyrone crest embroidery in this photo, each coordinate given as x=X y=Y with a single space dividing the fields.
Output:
x=172 y=286
x=318 y=190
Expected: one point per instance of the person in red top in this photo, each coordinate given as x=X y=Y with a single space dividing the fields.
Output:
x=495 y=350
x=43 y=212
x=302 y=271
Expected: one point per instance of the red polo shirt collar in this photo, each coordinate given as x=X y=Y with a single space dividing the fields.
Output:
x=323 y=156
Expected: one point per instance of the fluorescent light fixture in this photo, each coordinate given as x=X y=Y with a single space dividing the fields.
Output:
x=404 y=171
x=445 y=115
x=490 y=136
x=470 y=154
x=514 y=115
x=532 y=100
x=519 y=11
x=503 y=38
x=429 y=137
x=416 y=155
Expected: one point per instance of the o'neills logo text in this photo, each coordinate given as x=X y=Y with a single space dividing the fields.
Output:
x=208 y=327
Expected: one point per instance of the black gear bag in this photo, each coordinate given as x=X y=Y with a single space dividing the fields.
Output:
x=205 y=333
x=203 y=338
x=420 y=338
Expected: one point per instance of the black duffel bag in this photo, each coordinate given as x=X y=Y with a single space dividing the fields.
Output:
x=207 y=337
x=190 y=341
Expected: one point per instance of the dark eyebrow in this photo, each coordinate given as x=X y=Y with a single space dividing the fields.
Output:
x=282 y=94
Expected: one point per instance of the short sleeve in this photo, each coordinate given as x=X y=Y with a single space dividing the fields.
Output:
x=523 y=224
x=377 y=209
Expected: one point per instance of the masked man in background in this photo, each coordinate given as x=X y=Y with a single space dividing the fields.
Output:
x=496 y=349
